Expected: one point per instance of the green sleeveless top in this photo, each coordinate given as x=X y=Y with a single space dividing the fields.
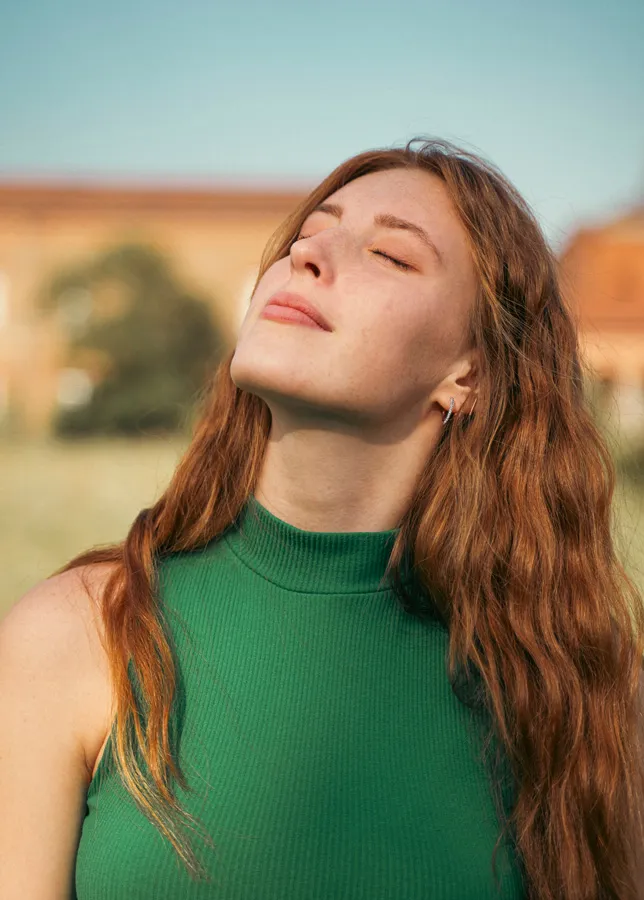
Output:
x=326 y=753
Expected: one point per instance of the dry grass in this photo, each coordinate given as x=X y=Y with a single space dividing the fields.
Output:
x=57 y=499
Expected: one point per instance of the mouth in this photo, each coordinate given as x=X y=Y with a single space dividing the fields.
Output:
x=297 y=304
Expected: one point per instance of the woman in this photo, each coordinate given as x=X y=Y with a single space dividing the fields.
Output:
x=374 y=639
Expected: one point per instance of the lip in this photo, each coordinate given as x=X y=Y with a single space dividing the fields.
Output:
x=297 y=301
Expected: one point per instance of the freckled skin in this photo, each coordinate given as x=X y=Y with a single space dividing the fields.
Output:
x=356 y=411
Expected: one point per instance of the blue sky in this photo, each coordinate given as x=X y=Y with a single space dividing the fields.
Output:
x=281 y=92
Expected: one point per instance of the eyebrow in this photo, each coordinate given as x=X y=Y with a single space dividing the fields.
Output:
x=386 y=220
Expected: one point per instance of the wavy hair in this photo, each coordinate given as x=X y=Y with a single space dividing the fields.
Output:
x=509 y=530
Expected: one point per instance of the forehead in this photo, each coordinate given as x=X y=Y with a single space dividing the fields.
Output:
x=404 y=190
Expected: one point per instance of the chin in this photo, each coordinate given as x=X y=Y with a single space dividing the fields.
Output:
x=240 y=373
x=253 y=368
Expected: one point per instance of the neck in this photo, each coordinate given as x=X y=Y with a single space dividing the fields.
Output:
x=327 y=480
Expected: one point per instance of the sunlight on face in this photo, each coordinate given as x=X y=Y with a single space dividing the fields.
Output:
x=397 y=300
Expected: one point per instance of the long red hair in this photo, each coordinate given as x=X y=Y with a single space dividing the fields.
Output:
x=509 y=530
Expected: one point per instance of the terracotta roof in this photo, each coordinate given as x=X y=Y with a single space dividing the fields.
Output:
x=603 y=273
x=46 y=197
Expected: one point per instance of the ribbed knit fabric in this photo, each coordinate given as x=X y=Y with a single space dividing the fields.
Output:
x=327 y=755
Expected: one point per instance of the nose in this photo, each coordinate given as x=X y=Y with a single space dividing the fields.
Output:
x=310 y=253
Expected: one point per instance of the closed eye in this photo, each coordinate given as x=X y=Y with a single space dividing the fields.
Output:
x=396 y=262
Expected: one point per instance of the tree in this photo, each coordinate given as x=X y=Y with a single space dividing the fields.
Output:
x=147 y=345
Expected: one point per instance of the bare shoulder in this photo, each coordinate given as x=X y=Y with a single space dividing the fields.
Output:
x=52 y=639
x=57 y=618
x=55 y=706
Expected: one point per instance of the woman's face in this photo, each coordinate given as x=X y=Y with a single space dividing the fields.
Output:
x=396 y=332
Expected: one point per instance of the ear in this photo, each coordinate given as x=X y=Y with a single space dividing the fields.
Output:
x=460 y=383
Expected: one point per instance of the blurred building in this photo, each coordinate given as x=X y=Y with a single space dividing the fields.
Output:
x=213 y=238
x=602 y=272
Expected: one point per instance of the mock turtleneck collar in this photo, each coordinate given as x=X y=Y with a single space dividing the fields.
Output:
x=324 y=562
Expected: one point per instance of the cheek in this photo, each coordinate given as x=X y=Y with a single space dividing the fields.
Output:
x=391 y=344
x=441 y=323
x=414 y=338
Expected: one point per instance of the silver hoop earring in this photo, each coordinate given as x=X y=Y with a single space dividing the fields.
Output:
x=449 y=412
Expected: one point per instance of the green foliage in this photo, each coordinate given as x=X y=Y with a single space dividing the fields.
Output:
x=155 y=352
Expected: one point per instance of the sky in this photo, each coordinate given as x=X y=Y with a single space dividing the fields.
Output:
x=278 y=93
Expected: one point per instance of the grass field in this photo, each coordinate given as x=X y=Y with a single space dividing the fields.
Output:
x=57 y=499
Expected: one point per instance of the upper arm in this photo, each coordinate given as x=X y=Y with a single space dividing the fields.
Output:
x=48 y=678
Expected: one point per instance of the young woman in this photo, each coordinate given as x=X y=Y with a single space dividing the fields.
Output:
x=374 y=639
